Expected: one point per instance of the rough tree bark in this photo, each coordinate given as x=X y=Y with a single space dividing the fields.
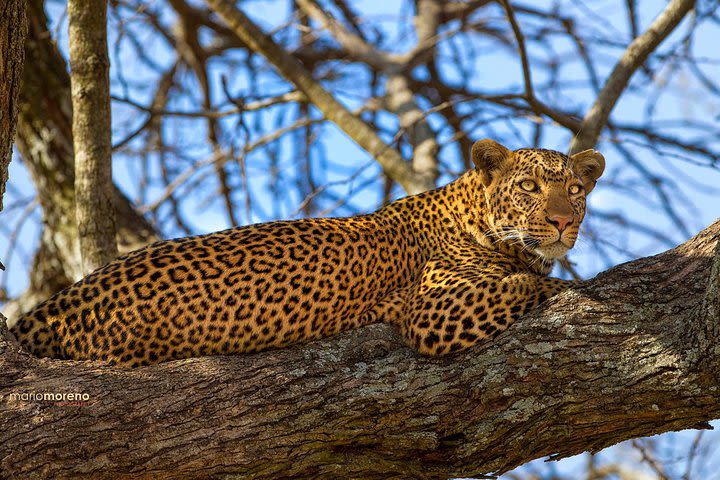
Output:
x=91 y=127
x=633 y=352
x=13 y=28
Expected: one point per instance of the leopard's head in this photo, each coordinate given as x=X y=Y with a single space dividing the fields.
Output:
x=536 y=197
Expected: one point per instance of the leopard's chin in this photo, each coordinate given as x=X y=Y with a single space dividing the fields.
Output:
x=554 y=250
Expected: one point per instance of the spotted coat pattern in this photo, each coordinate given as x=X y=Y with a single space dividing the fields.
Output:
x=450 y=267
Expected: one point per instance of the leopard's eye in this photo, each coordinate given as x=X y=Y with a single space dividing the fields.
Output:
x=528 y=185
x=575 y=189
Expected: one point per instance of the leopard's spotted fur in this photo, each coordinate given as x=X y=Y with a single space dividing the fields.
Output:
x=450 y=267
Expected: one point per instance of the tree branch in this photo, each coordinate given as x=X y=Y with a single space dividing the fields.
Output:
x=90 y=83
x=619 y=357
x=400 y=100
x=355 y=45
x=538 y=107
x=390 y=160
x=633 y=58
x=13 y=28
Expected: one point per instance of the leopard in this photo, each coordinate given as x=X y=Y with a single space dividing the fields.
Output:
x=450 y=268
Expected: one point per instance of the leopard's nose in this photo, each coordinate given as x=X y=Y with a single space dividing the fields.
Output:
x=560 y=221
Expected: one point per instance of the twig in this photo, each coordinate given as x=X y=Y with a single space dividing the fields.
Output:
x=649 y=458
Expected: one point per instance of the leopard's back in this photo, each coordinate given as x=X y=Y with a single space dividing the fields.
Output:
x=240 y=290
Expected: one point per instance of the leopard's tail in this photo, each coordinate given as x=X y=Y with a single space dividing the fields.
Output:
x=36 y=336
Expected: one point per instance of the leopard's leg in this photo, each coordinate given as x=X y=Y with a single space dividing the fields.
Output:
x=391 y=309
x=454 y=307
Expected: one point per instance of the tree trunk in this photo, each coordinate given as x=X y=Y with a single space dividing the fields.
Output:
x=91 y=127
x=633 y=352
x=45 y=142
x=13 y=28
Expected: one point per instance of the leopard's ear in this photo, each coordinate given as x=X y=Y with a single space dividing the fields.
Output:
x=589 y=165
x=488 y=156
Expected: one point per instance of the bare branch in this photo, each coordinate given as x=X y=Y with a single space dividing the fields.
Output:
x=400 y=100
x=537 y=106
x=44 y=140
x=289 y=97
x=90 y=83
x=633 y=57
x=355 y=45
x=390 y=160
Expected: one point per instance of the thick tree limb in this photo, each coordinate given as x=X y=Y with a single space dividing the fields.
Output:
x=401 y=101
x=392 y=163
x=13 y=28
x=632 y=59
x=91 y=127
x=630 y=353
